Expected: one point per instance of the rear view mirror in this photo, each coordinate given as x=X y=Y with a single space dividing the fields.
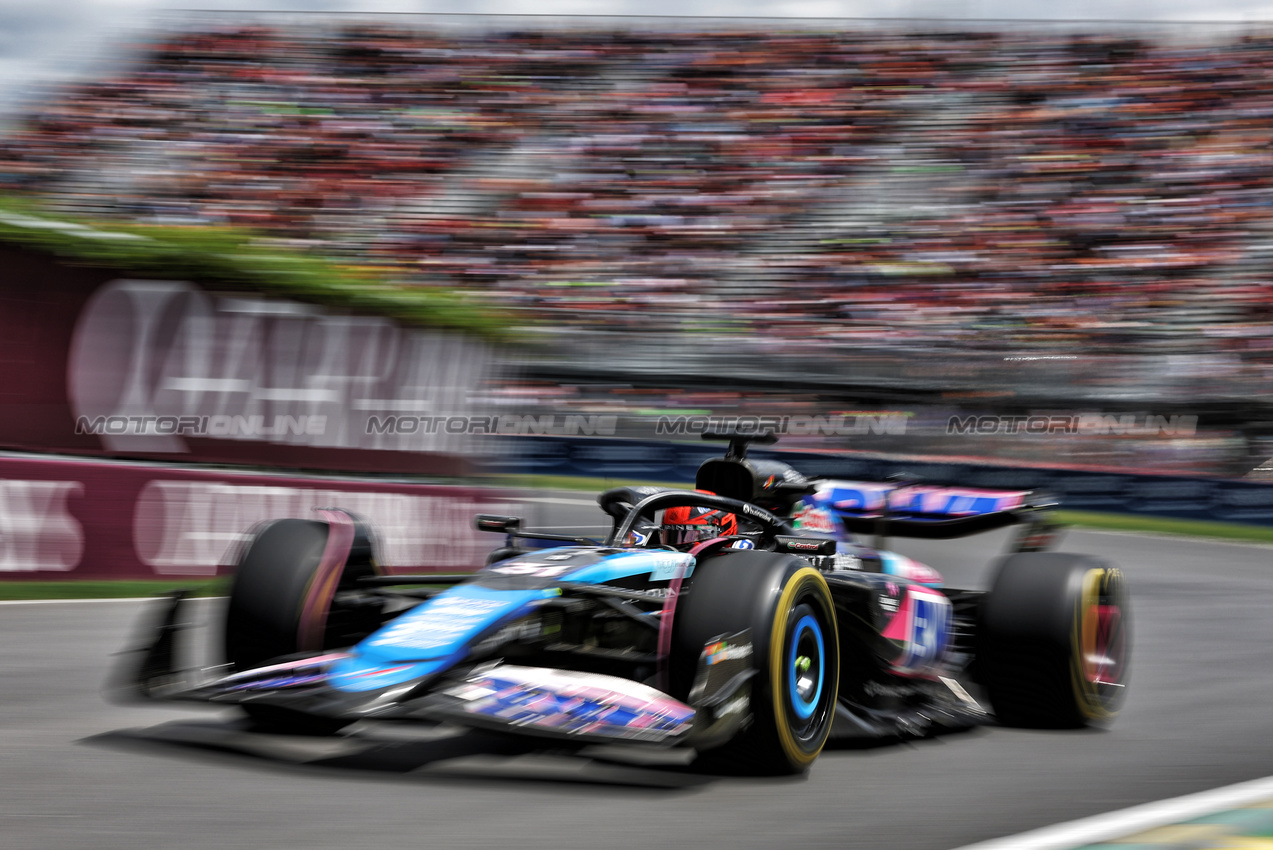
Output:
x=498 y=524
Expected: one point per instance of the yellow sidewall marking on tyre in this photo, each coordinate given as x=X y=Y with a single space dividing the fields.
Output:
x=777 y=652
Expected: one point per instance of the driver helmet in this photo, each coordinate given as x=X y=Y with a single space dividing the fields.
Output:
x=685 y=526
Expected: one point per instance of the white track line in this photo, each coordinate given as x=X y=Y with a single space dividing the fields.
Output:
x=58 y=601
x=102 y=599
x=1136 y=819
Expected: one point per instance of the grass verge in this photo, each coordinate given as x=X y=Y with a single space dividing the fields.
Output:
x=11 y=591
x=1167 y=525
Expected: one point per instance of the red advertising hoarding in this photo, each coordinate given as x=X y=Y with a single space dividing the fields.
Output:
x=103 y=364
x=86 y=519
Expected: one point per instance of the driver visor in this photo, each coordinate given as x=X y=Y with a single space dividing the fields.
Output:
x=680 y=535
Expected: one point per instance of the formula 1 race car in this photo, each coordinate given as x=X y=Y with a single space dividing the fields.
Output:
x=743 y=619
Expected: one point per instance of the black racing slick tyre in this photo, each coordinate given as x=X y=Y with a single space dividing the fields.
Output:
x=788 y=609
x=281 y=605
x=1055 y=640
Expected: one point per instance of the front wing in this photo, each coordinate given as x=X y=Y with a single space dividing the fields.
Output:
x=579 y=707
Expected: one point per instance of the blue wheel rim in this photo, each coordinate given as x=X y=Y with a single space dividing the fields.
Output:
x=805 y=685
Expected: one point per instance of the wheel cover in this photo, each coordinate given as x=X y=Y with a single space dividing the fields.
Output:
x=804 y=700
x=1104 y=645
x=805 y=671
x=1099 y=670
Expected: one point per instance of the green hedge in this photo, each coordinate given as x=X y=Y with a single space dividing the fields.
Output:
x=225 y=257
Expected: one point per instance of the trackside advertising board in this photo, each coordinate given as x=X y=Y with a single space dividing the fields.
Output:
x=97 y=520
x=101 y=363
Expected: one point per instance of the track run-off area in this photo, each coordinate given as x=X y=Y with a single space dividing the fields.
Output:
x=80 y=772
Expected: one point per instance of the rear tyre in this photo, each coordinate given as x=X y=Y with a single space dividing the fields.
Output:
x=787 y=606
x=1055 y=641
x=277 y=598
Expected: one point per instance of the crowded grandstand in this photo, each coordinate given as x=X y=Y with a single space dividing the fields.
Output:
x=849 y=201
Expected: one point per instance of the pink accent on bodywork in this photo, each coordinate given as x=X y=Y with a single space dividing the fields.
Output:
x=871 y=496
x=708 y=546
x=898 y=627
x=669 y=612
x=299 y=663
x=909 y=568
x=313 y=619
x=946 y=499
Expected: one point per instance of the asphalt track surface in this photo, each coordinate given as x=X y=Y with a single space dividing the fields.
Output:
x=78 y=772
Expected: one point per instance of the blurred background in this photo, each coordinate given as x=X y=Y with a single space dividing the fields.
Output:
x=367 y=243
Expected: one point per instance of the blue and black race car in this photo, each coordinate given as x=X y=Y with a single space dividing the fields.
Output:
x=745 y=619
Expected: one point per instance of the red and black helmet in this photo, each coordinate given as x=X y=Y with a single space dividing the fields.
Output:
x=685 y=526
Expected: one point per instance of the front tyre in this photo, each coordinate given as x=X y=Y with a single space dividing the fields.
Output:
x=787 y=607
x=804 y=672
x=281 y=604
x=1055 y=641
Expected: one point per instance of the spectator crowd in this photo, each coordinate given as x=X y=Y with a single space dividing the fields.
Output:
x=809 y=192
x=848 y=186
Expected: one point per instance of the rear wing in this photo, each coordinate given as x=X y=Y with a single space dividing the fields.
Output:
x=926 y=511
